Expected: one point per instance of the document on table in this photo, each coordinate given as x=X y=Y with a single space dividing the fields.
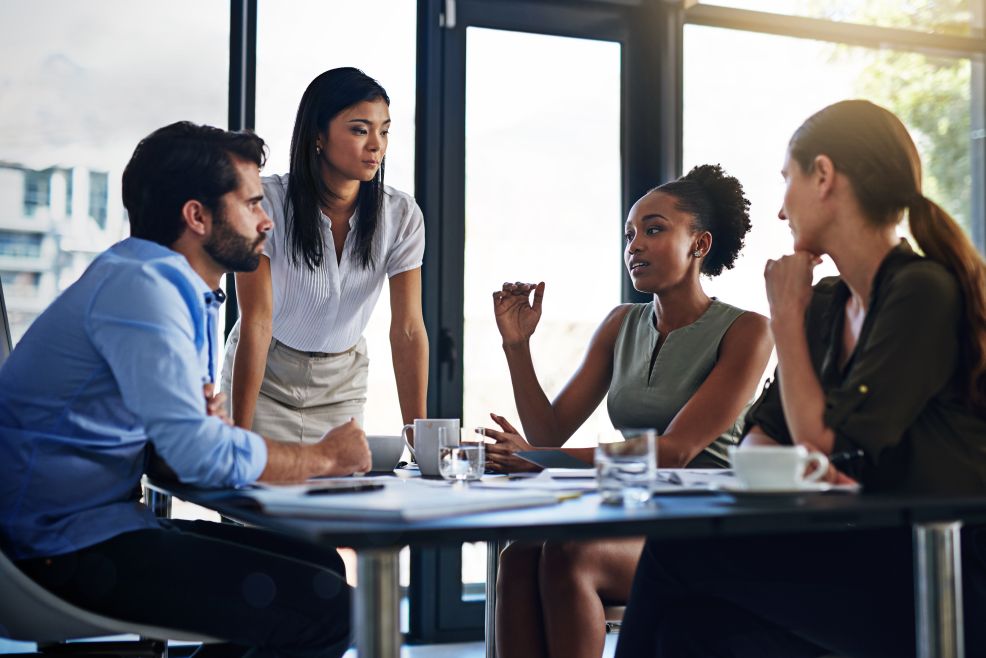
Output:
x=398 y=500
x=542 y=481
x=707 y=478
x=669 y=480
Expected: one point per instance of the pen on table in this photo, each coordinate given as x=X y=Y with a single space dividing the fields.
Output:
x=846 y=456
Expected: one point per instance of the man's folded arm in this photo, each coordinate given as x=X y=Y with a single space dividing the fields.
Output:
x=143 y=327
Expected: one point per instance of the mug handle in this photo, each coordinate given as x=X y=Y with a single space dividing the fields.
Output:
x=821 y=463
x=406 y=442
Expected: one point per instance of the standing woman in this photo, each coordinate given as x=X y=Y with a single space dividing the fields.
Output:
x=889 y=359
x=296 y=361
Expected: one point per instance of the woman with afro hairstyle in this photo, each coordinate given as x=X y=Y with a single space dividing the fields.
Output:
x=683 y=363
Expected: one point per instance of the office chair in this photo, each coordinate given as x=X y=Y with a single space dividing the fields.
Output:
x=30 y=613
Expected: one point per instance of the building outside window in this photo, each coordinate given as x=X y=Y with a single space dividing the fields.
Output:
x=20 y=245
x=37 y=191
x=74 y=109
x=99 y=187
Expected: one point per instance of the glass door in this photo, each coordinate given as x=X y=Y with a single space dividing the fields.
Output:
x=531 y=190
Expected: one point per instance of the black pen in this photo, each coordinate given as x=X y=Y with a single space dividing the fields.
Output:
x=846 y=456
x=356 y=487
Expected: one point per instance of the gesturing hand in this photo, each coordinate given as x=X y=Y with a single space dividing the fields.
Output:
x=499 y=455
x=788 y=282
x=516 y=316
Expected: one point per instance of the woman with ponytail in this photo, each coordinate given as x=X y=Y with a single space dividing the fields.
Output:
x=885 y=361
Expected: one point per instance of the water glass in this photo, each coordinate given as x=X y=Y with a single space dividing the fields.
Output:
x=626 y=467
x=460 y=460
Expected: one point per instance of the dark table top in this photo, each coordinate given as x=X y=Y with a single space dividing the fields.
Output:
x=692 y=514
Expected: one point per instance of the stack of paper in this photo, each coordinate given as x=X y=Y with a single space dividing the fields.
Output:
x=399 y=500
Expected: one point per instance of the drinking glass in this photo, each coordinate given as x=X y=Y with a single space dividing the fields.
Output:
x=626 y=466
x=458 y=459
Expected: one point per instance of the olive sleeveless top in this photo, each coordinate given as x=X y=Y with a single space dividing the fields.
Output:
x=648 y=390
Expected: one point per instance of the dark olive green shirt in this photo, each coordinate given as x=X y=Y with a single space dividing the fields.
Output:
x=650 y=386
x=900 y=396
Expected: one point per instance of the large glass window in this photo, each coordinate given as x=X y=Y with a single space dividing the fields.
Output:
x=741 y=109
x=91 y=80
x=542 y=204
x=295 y=42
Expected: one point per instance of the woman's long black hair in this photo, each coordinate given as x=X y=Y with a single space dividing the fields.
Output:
x=328 y=95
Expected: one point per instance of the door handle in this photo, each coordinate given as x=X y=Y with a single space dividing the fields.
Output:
x=448 y=352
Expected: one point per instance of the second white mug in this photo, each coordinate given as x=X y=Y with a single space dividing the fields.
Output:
x=777 y=467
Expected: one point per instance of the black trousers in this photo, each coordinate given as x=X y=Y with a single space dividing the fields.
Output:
x=791 y=596
x=266 y=594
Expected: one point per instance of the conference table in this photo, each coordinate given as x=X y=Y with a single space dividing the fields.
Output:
x=935 y=523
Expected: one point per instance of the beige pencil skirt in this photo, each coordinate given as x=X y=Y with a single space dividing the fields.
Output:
x=304 y=394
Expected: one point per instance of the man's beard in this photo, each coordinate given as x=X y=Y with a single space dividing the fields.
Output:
x=233 y=251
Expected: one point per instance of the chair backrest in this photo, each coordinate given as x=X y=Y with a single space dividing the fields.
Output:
x=31 y=613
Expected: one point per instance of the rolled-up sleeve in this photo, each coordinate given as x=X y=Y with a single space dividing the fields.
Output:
x=909 y=355
x=148 y=325
x=767 y=412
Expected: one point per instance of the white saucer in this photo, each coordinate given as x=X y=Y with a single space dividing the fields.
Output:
x=805 y=487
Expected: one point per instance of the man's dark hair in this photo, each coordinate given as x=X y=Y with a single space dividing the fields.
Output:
x=179 y=163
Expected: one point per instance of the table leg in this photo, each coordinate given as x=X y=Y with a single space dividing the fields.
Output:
x=938 y=590
x=377 y=604
x=493 y=549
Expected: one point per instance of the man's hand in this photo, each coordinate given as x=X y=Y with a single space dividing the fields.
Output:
x=215 y=404
x=344 y=450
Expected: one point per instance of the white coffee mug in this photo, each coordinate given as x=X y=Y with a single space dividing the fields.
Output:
x=425 y=448
x=777 y=467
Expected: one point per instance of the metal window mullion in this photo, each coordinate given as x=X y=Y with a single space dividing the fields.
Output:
x=977 y=137
x=242 y=97
x=820 y=29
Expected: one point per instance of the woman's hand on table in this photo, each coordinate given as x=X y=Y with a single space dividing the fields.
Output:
x=835 y=476
x=516 y=315
x=499 y=455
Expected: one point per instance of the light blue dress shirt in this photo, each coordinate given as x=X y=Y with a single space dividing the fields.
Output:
x=114 y=366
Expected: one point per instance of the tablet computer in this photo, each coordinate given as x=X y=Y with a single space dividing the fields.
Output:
x=553 y=459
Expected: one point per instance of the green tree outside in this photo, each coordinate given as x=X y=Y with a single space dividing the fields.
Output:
x=930 y=94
